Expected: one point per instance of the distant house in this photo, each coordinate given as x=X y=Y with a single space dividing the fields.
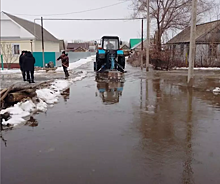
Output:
x=207 y=45
x=76 y=47
x=20 y=34
x=134 y=41
x=137 y=47
x=126 y=49
x=80 y=49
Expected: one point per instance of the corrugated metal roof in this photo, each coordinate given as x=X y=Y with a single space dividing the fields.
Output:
x=134 y=41
x=29 y=26
x=201 y=31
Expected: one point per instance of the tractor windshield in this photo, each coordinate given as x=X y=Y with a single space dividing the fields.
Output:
x=110 y=44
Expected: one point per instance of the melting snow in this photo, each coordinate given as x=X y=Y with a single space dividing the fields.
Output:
x=46 y=97
x=199 y=68
x=216 y=90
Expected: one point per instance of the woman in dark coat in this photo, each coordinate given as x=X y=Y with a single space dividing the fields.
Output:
x=28 y=66
x=21 y=63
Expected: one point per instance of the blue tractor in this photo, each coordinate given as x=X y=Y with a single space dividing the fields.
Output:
x=110 y=57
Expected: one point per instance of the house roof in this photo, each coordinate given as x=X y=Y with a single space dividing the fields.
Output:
x=80 y=49
x=29 y=26
x=201 y=31
x=125 y=47
x=134 y=41
x=77 y=45
x=139 y=43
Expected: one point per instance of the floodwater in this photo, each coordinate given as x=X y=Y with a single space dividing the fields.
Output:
x=146 y=130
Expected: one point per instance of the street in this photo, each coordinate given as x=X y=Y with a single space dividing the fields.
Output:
x=153 y=130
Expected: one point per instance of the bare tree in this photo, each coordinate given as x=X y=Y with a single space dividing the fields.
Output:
x=169 y=14
x=8 y=55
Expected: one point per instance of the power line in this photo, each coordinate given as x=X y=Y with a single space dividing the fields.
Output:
x=105 y=19
x=83 y=11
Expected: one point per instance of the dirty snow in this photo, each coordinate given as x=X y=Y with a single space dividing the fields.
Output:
x=199 y=68
x=12 y=71
x=77 y=64
x=216 y=90
x=46 y=98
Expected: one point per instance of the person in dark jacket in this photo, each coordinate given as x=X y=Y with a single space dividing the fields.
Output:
x=65 y=63
x=21 y=62
x=28 y=66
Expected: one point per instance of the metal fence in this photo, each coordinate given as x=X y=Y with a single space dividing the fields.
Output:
x=52 y=56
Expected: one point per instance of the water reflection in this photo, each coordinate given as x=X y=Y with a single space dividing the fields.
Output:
x=166 y=126
x=2 y=138
x=32 y=122
x=110 y=92
x=66 y=94
x=187 y=166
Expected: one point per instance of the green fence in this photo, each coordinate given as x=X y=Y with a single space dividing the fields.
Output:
x=48 y=57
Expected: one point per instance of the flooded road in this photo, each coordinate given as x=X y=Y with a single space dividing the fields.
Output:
x=146 y=130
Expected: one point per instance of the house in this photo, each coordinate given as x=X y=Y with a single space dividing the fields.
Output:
x=207 y=45
x=137 y=47
x=77 y=47
x=18 y=34
x=134 y=41
x=126 y=49
x=80 y=49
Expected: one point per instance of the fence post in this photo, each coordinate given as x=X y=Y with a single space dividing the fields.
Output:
x=2 y=62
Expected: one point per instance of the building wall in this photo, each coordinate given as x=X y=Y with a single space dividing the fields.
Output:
x=48 y=46
x=180 y=54
x=6 y=45
x=25 y=45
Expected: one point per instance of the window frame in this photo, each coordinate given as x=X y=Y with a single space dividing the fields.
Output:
x=13 y=48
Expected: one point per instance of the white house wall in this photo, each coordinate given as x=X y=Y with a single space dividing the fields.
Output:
x=23 y=45
x=48 y=46
x=10 y=29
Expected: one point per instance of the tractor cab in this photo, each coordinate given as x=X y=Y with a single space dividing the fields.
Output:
x=110 y=43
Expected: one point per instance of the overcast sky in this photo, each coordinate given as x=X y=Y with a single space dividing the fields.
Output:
x=74 y=30
x=79 y=30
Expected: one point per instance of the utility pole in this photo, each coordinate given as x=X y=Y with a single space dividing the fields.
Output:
x=192 y=43
x=142 y=44
x=42 y=34
x=148 y=35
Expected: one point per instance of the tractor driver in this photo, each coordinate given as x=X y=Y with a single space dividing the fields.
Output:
x=109 y=46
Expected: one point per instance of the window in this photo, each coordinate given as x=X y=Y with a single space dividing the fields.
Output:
x=111 y=44
x=213 y=50
x=16 y=49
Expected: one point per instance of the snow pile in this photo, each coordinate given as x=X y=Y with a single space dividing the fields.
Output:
x=19 y=112
x=45 y=97
x=199 y=68
x=77 y=64
x=216 y=90
x=59 y=85
x=12 y=71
